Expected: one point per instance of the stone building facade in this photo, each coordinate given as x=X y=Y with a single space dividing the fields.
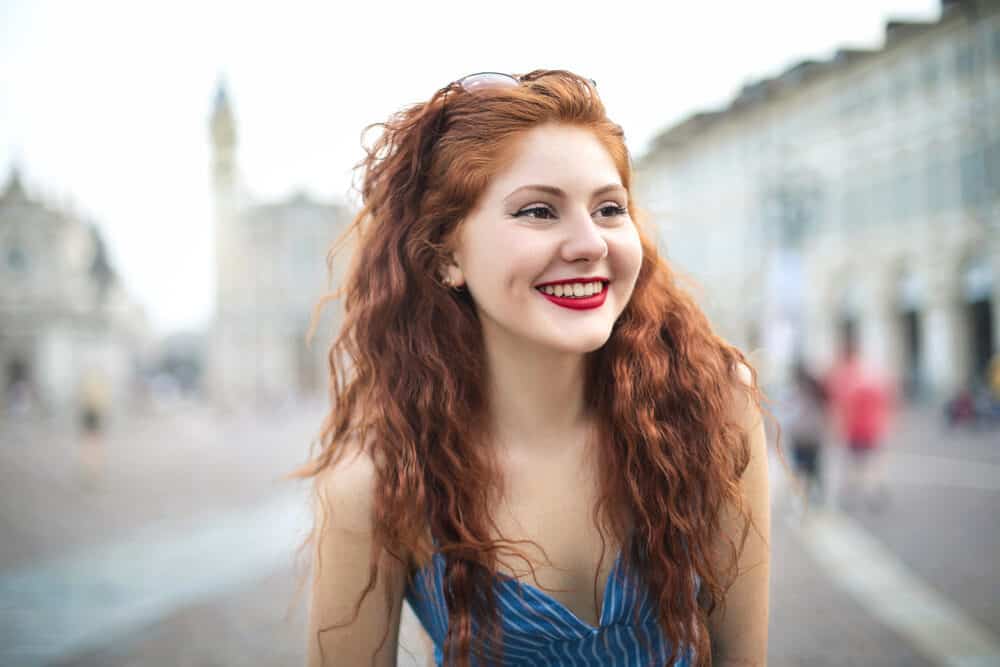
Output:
x=270 y=273
x=66 y=321
x=856 y=197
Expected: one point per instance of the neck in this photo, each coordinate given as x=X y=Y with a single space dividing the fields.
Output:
x=536 y=395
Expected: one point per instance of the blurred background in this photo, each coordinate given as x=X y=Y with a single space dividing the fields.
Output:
x=825 y=175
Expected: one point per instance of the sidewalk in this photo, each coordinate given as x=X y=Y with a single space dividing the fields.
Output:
x=925 y=565
x=190 y=512
x=172 y=466
x=104 y=595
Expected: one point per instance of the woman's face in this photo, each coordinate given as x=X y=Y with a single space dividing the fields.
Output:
x=558 y=212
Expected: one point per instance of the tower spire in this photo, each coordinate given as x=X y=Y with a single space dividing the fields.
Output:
x=14 y=189
x=224 y=140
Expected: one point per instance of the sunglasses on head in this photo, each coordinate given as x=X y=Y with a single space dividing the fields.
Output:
x=492 y=80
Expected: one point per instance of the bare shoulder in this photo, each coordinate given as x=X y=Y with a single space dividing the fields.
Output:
x=743 y=408
x=738 y=629
x=345 y=492
x=744 y=375
x=352 y=618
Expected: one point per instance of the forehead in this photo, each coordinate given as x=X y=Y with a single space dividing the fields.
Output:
x=559 y=155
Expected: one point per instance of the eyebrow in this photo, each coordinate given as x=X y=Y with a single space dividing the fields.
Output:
x=552 y=190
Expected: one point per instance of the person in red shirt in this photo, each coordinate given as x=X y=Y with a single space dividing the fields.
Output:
x=861 y=401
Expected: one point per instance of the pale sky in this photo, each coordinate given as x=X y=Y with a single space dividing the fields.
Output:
x=105 y=104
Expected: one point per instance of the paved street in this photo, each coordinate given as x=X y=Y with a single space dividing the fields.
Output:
x=182 y=553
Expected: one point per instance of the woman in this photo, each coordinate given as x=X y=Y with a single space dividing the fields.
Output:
x=806 y=427
x=535 y=437
x=94 y=406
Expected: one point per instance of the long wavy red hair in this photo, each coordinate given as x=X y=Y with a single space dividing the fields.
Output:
x=407 y=364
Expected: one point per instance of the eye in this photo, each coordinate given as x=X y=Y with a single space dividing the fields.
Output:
x=610 y=210
x=537 y=211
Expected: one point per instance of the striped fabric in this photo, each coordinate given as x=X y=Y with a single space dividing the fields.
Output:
x=538 y=630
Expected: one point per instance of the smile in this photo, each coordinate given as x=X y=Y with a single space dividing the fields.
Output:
x=573 y=302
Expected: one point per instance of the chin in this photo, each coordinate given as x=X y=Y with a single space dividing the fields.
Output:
x=580 y=344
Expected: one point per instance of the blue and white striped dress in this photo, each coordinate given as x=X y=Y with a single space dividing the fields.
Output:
x=538 y=630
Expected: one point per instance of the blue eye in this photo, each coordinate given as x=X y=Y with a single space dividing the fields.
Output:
x=539 y=212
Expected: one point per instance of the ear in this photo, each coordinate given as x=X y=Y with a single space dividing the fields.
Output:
x=451 y=257
x=453 y=272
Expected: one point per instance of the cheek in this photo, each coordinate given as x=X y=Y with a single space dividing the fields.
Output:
x=500 y=262
x=516 y=260
x=627 y=251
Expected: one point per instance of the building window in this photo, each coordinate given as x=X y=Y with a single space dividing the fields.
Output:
x=860 y=102
x=964 y=59
x=867 y=99
x=846 y=105
x=17 y=260
x=930 y=72
x=857 y=206
x=906 y=202
x=846 y=208
x=993 y=168
x=900 y=87
x=881 y=207
x=942 y=185
x=973 y=177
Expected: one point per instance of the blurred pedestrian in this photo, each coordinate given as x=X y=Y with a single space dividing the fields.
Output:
x=19 y=398
x=93 y=410
x=994 y=385
x=961 y=409
x=806 y=426
x=994 y=376
x=861 y=400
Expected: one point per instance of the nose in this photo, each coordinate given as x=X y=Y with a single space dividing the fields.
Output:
x=584 y=239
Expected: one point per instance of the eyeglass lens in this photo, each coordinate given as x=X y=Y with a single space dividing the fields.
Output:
x=483 y=80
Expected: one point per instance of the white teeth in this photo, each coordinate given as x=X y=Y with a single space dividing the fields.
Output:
x=575 y=290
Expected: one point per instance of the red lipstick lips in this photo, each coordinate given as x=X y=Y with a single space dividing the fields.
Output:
x=578 y=303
